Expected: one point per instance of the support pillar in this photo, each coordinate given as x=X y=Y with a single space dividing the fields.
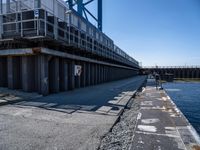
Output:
x=42 y=75
x=88 y=73
x=92 y=74
x=14 y=72
x=54 y=80
x=28 y=72
x=83 y=75
x=63 y=75
x=104 y=80
x=71 y=75
x=99 y=74
x=95 y=74
x=101 y=79
x=3 y=72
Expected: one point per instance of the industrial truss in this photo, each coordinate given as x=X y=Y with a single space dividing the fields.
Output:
x=84 y=12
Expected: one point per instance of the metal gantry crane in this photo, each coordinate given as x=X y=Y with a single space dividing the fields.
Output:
x=84 y=12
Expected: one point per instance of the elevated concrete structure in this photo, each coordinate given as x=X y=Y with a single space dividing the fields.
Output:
x=46 y=50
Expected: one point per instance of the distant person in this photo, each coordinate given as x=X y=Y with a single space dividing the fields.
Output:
x=157 y=77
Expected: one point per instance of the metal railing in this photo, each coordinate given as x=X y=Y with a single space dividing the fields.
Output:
x=44 y=24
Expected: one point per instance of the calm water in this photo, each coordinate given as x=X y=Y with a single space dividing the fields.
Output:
x=187 y=98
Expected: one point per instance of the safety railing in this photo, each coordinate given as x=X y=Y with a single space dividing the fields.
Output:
x=40 y=23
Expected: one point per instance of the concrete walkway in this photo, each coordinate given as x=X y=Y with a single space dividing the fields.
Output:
x=161 y=125
x=73 y=120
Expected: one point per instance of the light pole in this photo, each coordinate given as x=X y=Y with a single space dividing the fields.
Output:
x=69 y=12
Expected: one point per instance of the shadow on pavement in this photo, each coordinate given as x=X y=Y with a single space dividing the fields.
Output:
x=86 y=99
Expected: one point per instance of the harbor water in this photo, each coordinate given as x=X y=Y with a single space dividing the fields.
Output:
x=186 y=95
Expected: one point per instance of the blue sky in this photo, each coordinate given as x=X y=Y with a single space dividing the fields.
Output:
x=155 y=32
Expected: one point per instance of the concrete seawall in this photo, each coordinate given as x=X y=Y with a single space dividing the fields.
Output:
x=152 y=121
x=161 y=125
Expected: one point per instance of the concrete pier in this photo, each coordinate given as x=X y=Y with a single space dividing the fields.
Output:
x=161 y=125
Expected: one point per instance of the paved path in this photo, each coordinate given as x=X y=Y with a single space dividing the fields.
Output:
x=161 y=125
x=72 y=120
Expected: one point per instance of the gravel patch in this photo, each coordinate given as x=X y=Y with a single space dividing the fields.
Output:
x=120 y=137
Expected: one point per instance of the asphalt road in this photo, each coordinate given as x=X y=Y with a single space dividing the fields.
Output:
x=71 y=120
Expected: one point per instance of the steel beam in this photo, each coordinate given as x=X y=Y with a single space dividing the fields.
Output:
x=80 y=7
x=100 y=15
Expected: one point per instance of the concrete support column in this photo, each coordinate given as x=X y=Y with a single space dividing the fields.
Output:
x=105 y=73
x=54 y=86
x=83 y=75
x=71 y=75
x=63 y=71
x=101 y=79
x=3 y=72
x=28 y=73
x=99 y=74
x=88 y=73
x=95 y=74
x=111 y=73
x=14 y=72
x=102 y=73
x=92 y=74
x=42 y=74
